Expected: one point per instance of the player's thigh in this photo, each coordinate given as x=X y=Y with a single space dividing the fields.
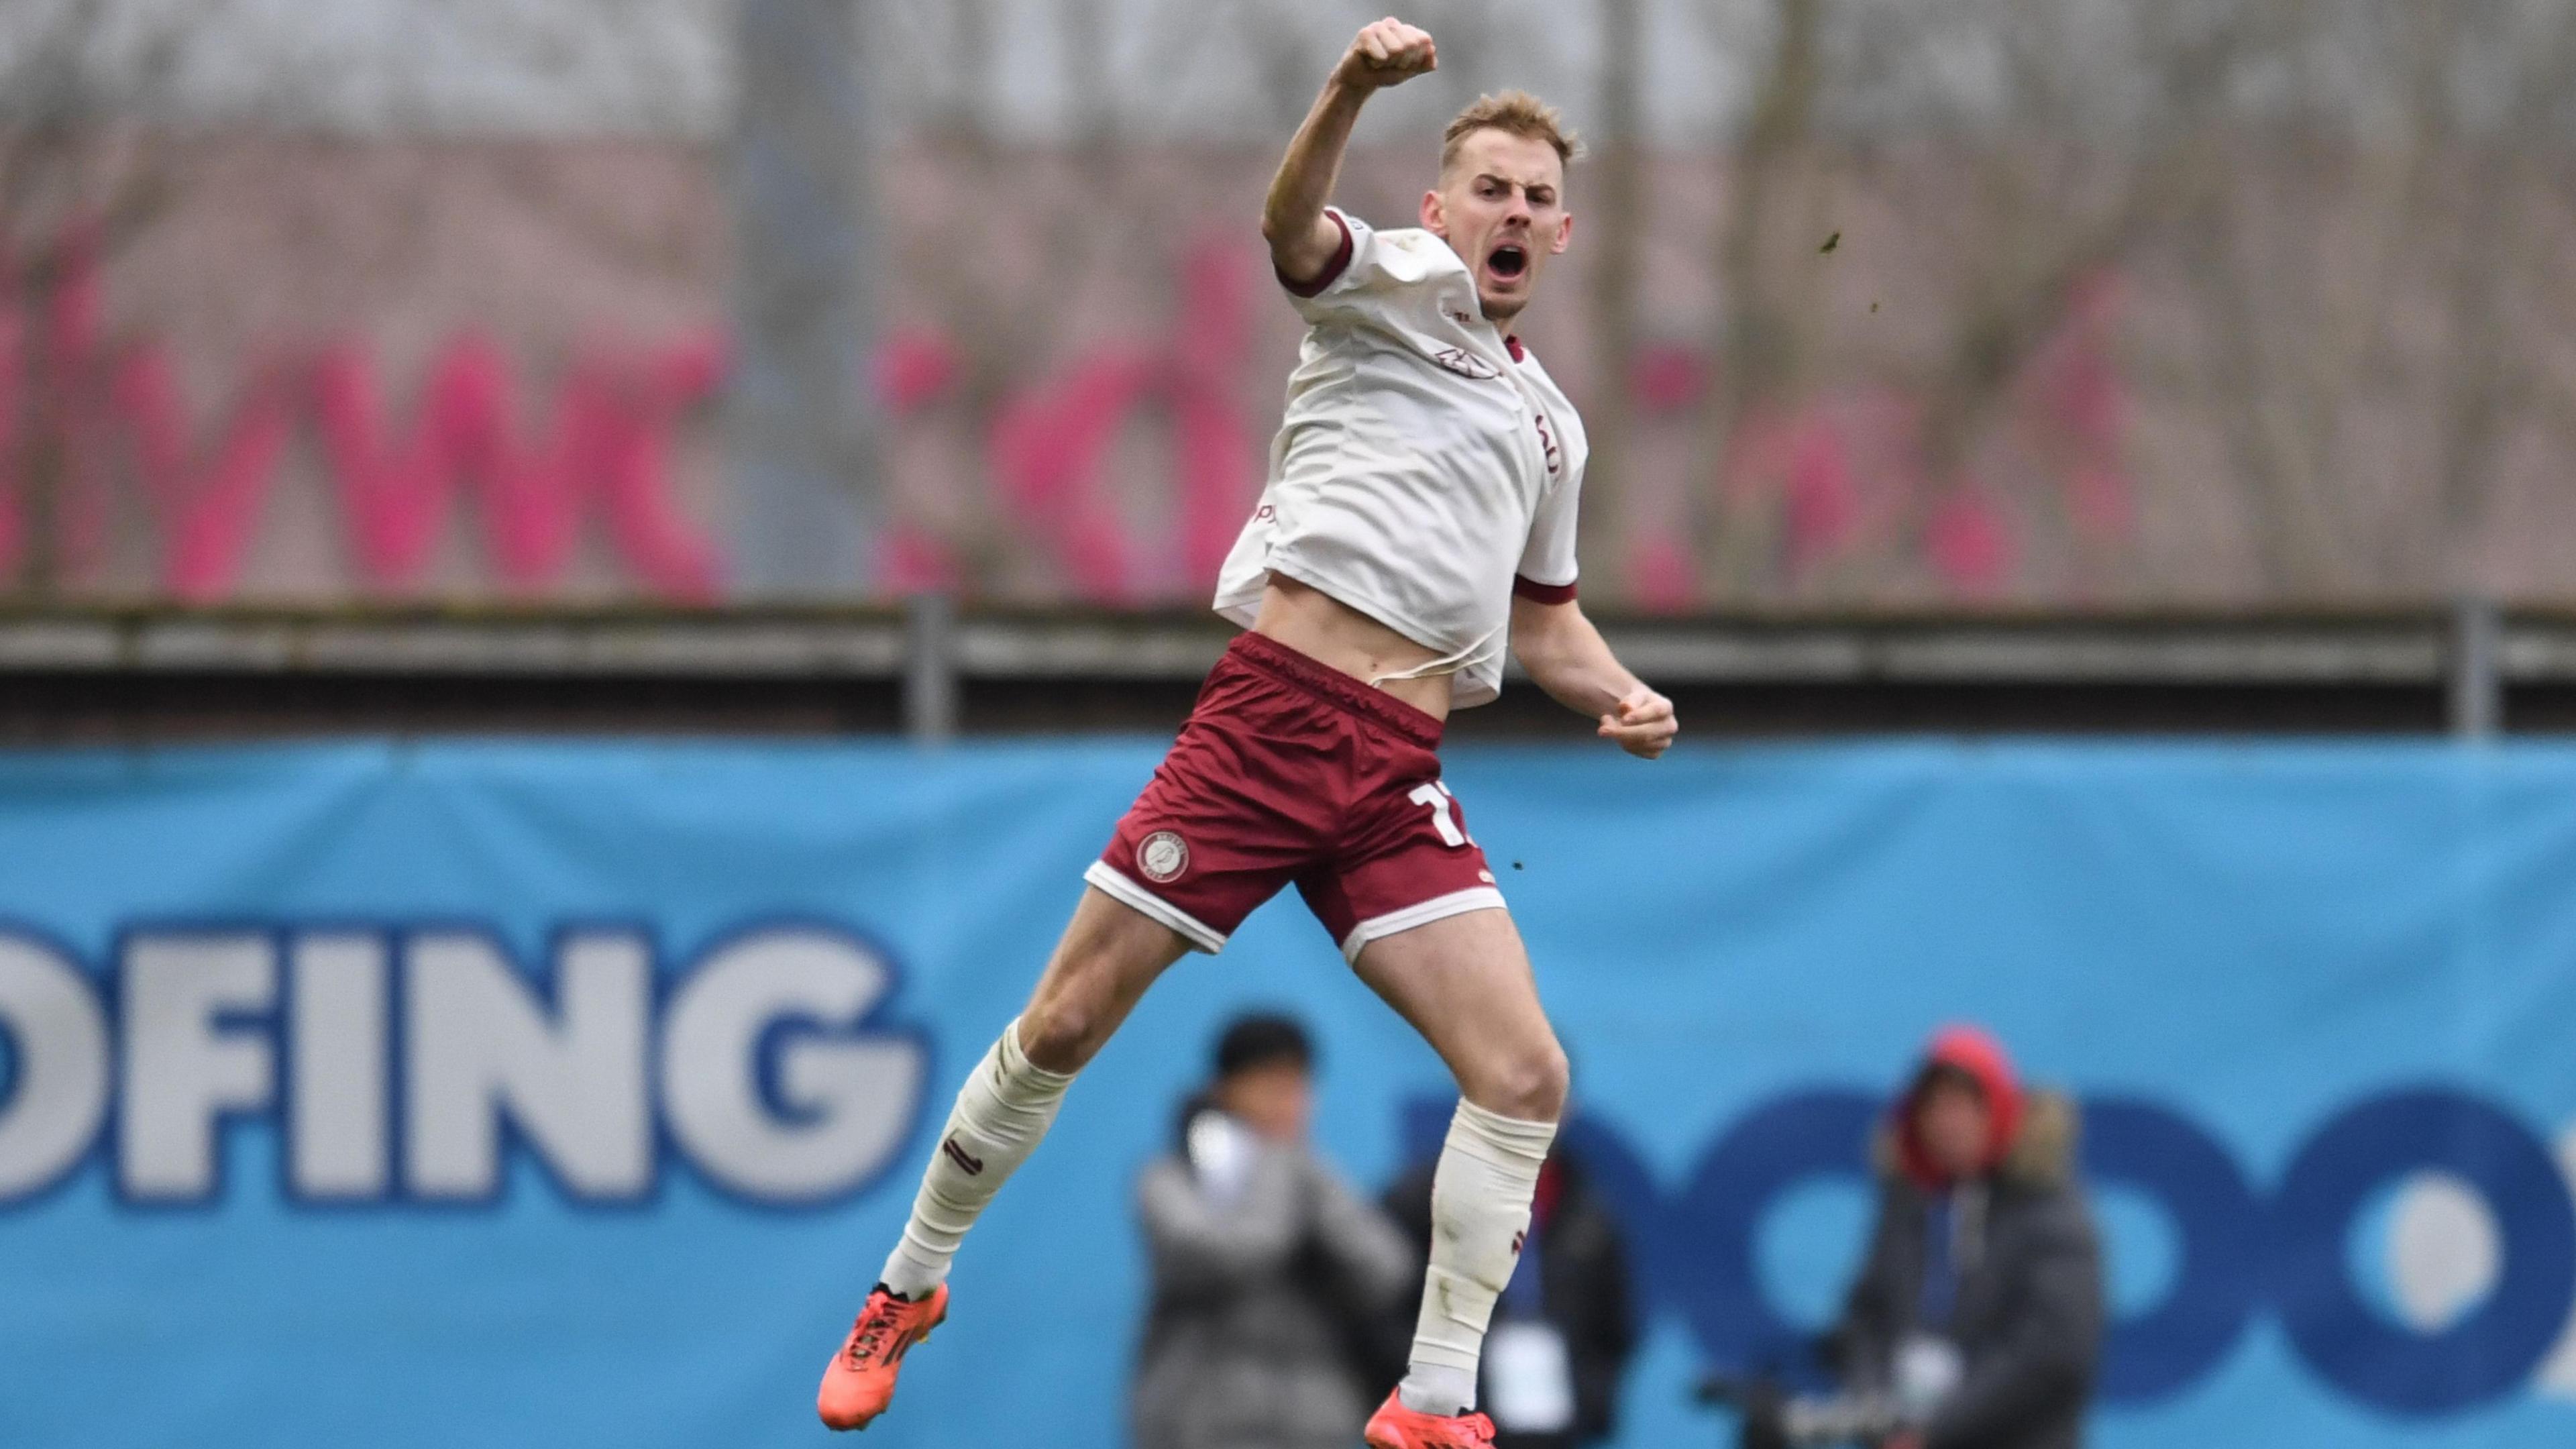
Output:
x=1243 y=802
x=1464 y=982
x=1109 y=955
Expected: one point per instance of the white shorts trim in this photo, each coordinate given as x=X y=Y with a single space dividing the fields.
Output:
x=1456 y=903
x=1128 y=893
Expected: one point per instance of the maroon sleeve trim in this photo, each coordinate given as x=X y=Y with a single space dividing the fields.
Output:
x=1333 y=269
x=1537 y=592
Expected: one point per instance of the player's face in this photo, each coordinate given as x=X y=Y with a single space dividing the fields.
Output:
x=1501 y=208
x=1275 y=1100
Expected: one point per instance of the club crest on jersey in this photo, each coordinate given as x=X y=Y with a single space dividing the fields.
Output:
x=1162 y=855
x=1466 y=364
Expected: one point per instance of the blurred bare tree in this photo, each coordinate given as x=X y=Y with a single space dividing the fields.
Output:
x=1763 y=264
x=124 y=122
x=1617 y=192
x=82 y=172
x=1995 y=197
x=2380 y=288
x=943 y=62
x=1102 y=195
x=2334 y=228
x=2056 y=301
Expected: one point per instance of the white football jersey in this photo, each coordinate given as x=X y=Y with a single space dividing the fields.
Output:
x=1427 y=466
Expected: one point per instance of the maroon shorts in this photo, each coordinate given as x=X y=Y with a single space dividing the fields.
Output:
x=1289 y=771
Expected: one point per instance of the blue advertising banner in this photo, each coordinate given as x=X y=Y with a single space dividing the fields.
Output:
x=426 y=1095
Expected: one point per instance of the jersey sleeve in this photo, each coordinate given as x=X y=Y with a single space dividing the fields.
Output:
x=1370 y=273
x=1547 y=567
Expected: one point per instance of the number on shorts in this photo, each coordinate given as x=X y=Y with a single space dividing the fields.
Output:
x=1443 y=819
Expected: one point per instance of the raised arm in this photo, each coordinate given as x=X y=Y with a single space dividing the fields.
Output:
x=1302 y=241
x=1568 y=658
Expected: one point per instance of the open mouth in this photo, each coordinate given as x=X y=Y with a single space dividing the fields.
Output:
x=1508 y=261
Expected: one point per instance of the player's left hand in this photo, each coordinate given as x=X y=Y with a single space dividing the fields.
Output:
x=1643 y=724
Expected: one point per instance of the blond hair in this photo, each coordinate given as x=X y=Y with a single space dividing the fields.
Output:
x=1517 y=112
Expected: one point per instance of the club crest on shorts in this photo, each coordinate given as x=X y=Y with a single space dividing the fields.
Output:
x=1162 y=855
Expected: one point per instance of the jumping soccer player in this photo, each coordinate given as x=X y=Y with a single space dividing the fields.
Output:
x=1420 y=511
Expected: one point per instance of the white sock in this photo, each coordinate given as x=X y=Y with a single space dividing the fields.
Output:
x=1006 y=1105
x=1480 y=1207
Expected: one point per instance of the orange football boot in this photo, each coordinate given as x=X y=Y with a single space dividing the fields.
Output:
x=860 y=1381
x=1394 y=1426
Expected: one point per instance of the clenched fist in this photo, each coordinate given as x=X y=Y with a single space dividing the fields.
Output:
x=1388 y=53
x=1643 y=725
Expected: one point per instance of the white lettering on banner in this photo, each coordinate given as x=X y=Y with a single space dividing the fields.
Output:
x=185 y=1066
x=852 y=1097
x=56 y=1093
x=480 y=1044
x=335 y=1076
x=777 y=1080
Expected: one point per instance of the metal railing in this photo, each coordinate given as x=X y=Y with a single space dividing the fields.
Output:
x=930 y=650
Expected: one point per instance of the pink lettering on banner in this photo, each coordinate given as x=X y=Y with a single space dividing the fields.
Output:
x=1048 y=451
x=1970 y=543
x=13 y=382
x=913 y=366
x=1824 y=502
x=2080 y=398
x=604 y=446
x=529 y=465
x=603 y=449
x=71 y=400
x=1847 y=469
x=1662 y=575
x=206 y=498
x=1221 y=460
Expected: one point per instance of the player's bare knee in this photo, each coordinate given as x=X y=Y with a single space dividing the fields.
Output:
x=1058 y=1031
x=1075 y=1009
x=1529 y=1085
x=1555 y=1078
x=1059 y=1027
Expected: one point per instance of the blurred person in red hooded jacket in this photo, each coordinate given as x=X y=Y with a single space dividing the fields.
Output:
x=1979 y=1309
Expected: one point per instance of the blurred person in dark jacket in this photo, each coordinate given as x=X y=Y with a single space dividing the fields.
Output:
x=1979 y=1309
x=1566 y=1323
x=1271 y=1280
